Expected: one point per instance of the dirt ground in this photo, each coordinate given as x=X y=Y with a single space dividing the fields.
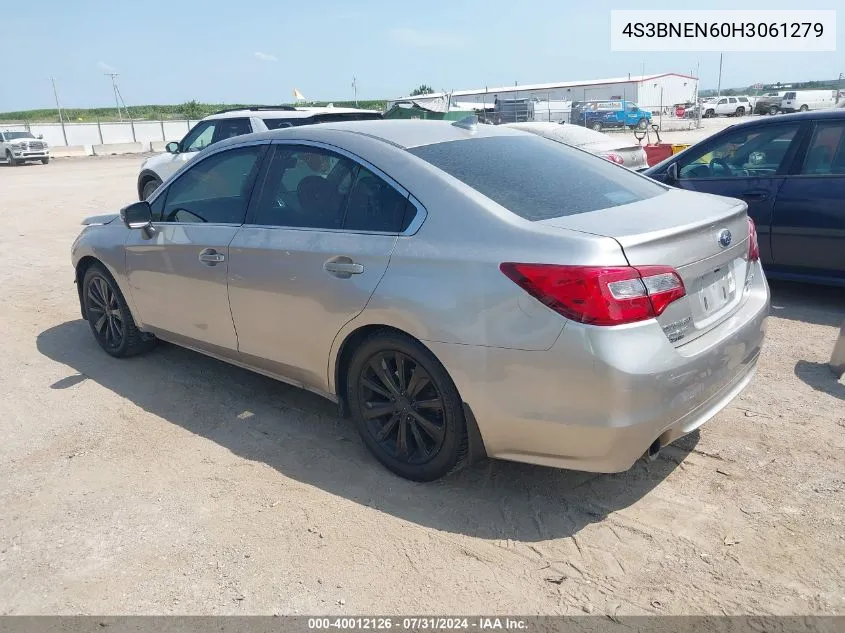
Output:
x=173 y=483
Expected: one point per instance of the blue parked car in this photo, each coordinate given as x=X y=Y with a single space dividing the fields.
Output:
x=617 y=113
x=791 y=172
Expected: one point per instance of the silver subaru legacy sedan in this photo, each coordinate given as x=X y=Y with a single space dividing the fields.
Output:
x=460 y=291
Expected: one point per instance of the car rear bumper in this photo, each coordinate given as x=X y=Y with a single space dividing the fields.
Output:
x=600 y=397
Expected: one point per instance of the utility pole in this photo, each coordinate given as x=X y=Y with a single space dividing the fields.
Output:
x=355 y=90
x=59 y=108
x=116 y=93
x=719 y=88
x=839 y=88
x=697 y=99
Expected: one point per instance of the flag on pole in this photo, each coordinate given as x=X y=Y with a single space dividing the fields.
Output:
x=298 y=95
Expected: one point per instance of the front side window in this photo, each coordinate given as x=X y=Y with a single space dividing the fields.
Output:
x=215 y=190
x=309 y=187
x=536 y=178
x=826 y=154
x=758 y=152
x=722 y=101
x=200 y=137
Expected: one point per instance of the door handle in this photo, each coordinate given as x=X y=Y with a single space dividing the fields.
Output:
x=211 y=257
x=342 y=267
x=754 y=195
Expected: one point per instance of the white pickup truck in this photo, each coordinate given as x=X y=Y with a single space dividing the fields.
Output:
x=19 y=147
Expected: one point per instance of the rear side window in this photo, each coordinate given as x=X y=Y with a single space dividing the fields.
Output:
x=310 y=187
x=277 y=124
x=826 y=155
x=536 y=178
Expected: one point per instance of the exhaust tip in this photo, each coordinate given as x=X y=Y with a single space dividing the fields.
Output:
x=653 y=450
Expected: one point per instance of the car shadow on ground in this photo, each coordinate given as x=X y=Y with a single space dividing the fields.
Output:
x=301 y=436
x=809 y=303
x=820 y=377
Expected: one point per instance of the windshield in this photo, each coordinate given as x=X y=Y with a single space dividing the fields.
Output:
x=536 y=178
x=14 y=135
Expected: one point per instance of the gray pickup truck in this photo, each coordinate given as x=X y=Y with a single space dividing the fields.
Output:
x=768 y=103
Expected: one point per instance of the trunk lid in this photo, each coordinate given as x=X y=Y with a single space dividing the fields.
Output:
x=704 y=237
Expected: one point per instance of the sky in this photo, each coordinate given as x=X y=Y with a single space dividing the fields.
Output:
x=258 y=51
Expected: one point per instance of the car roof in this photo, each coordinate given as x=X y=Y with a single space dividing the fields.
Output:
x=292 y=113
x=812 y=115
x=404 y=133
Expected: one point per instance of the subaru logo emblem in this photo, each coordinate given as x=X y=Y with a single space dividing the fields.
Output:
x=725 y=238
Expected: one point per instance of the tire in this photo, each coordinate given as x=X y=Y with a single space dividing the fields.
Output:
x=803 y=108
x=385 y=405
x=596 y=127
x=709 y=114
x=12 y=162
x=642 y=124
x=112 y=327
x=740 y=111
x=149 y=187
x=773 y=110
x=44 y=161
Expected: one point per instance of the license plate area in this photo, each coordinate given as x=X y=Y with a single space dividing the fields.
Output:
x=718 y=288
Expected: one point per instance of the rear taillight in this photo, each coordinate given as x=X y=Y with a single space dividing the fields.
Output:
x=753 y=243
x=599 y=295
x=614 y=158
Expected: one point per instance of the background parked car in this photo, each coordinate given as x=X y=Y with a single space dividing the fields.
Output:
x=228 y=123
x=599 y=115
x=727 y=106
x=791 y=172
x=621 y=150
x=768 y=103
x=803 y=100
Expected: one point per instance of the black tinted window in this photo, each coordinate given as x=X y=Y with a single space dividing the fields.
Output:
x=215 y=190
x=277 y=124
x=309 y=187
x=227 y=128
x=374 y=205
x=305 y=187
x=537 y=178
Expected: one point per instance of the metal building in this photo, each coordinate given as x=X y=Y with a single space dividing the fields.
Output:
x=650 y=92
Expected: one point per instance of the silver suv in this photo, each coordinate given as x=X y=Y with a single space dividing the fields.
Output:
x=235 y=122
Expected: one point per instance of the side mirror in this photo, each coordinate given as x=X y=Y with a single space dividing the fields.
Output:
x=172 y=147
x=672 y=174
x=137 y=215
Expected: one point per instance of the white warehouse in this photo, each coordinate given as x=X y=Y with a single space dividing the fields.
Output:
x=650 y=92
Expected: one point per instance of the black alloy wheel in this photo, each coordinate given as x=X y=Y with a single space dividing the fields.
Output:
x=406 y=407
x=402 y=407
x=109 y=317
x=104 y=313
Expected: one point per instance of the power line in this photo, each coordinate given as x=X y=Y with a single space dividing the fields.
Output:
x=117 y=97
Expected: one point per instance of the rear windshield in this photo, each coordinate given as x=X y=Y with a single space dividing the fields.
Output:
x=537 y=178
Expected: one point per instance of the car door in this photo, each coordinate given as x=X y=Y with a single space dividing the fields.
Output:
x=316 y=244
x=808 y=227
x=749 y=163
x=177 y=272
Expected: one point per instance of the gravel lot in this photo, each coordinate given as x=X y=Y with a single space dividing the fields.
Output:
x=173 y=483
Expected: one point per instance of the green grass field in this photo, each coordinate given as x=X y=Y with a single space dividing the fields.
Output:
x=191 y=110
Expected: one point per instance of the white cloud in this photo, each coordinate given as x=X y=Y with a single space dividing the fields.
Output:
x=266 y=57
x=104 y=66
x=427 y=39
